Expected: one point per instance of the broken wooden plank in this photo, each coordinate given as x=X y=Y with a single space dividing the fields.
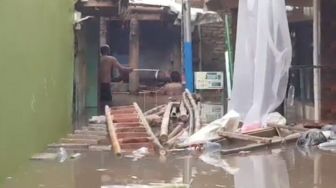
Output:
x=112 y=133
x=244 y=137
x=264 y=132
x=165 y=123
x=300 y=129
x=275 y=141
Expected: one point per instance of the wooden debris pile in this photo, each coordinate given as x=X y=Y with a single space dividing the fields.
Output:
x=175 y=119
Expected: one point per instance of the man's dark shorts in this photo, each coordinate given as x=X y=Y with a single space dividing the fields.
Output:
x=105 y=92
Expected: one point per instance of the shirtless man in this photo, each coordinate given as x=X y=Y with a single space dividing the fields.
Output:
x=107 y=64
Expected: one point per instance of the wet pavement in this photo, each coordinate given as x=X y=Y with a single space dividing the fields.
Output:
x=276 y=168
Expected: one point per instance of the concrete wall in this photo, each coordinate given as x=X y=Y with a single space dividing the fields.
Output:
x=36 y=76
x=213 y=46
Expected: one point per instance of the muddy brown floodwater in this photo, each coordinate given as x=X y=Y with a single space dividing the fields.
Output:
x=275 y=168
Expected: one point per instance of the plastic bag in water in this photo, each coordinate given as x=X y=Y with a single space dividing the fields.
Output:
x=62 y=155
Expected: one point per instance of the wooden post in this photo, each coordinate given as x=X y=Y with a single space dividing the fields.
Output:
x=134 y=57
x=191 y=113
x=165 y=123
x=112 y=133
x=177 y=129
x=183 y=116
x=196 y=111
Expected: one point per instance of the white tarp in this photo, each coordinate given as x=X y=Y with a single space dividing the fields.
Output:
x=262 y=59
x=210 y=132
x=198 y=15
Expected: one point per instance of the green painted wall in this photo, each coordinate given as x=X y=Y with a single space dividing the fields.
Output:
x=36 y=76
x=91 y=30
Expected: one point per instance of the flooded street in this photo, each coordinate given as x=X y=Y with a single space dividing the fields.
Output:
x=276 y=168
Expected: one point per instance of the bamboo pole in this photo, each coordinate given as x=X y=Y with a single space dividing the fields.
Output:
x=172 y=140
x=165 y=123
x=154 y=110
x=288 y=127
x=276 y=141
x=245 y=137
x=111 y=130
x=177 y=129
x=147 y=127
x=196 y=111
x=183 y=116
x=191 y=113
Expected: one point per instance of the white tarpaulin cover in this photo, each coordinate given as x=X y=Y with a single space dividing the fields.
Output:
x=262 y=59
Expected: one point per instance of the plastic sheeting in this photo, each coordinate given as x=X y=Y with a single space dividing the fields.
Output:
x=262 y=59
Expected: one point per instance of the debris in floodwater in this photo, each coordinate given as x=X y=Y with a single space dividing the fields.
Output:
x=139 y=153
x=330 y=146
x=311 y=137
x=75 y=155
x=211 y=147
x=62 y=155
x=101 y=169
x=97 y=119
x=212 y=157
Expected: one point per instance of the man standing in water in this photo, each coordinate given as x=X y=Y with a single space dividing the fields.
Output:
x=107 y=64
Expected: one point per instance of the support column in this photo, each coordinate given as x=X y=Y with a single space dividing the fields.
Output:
x=91 y=29
x=134 y=57
x=316 y=62
x=188 y=62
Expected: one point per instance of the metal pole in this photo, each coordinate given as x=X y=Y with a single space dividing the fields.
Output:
x=227 y=23
x=316 y=62
x=188 y=62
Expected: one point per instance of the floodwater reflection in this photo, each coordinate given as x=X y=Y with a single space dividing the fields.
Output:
x=277 y=168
